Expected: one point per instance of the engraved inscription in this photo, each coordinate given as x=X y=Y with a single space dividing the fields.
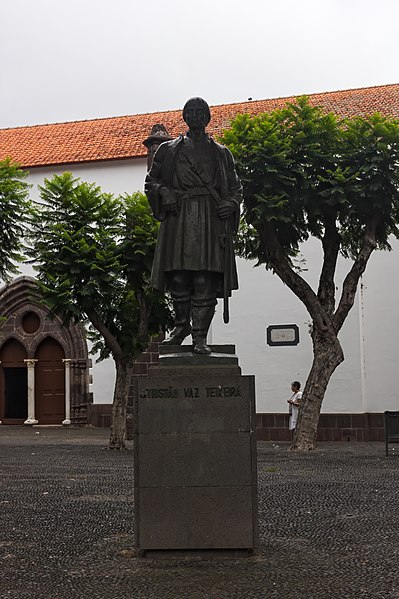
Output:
x=223 y=391
x=165 y=393
x=189 y=392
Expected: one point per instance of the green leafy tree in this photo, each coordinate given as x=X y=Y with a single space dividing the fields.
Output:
x=306 y=173
x=15 y=210
x=93 y=254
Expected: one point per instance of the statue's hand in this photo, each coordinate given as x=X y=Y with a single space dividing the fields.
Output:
x=224 y=210
x=169 y=202
x=172 y=208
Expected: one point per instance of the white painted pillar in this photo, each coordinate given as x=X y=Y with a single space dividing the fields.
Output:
x=31 y=392
x=67 y=362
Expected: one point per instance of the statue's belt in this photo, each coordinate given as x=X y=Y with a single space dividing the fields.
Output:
x=192 y=193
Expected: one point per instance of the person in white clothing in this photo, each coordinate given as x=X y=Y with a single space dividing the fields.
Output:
x=294 y=403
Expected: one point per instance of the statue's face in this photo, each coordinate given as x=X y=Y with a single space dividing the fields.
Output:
x=195 y=117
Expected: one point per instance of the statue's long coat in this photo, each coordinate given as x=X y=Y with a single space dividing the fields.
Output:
x=195 y=238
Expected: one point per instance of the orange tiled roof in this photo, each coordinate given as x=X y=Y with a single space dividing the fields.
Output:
x=122 y=137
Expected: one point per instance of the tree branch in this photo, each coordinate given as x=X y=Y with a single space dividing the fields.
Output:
x=352 y=278
x=297 y=284
x=109 y=338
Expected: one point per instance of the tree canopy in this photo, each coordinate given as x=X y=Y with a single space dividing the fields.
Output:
x=15 y=210
x=93 y=254
x=307 y=173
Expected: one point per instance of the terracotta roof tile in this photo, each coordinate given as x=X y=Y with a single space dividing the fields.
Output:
x=122 y=137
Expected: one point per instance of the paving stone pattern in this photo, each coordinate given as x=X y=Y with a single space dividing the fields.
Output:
x=329 y=525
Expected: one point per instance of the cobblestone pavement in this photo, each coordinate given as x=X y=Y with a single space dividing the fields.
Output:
x=329 y=525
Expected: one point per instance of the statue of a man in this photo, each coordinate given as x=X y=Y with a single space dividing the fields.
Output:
x=194 y=191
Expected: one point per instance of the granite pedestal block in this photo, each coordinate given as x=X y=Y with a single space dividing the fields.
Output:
x=195 y=454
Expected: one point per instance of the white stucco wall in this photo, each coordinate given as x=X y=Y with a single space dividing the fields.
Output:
x=114 y=176
x=366 y=381
x=381 y=330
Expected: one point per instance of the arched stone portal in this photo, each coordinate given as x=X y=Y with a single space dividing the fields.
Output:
x=13 y=383
x=44 y=365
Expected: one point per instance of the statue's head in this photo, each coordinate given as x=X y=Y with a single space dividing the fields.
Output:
x=196 y=112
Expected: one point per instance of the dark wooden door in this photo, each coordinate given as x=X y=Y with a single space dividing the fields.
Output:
x=50 y=383
x=13 y=383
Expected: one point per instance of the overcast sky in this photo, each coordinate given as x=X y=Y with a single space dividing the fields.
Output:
x=83 y=59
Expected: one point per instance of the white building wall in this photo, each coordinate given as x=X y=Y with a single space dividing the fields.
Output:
x=366 y=381
x=381 y=330
x=113 y=176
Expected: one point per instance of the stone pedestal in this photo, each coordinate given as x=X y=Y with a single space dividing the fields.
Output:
x=195 y=455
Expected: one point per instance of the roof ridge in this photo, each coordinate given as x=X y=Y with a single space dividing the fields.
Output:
x=100 y=118
x=141 y=114
x=332 y=91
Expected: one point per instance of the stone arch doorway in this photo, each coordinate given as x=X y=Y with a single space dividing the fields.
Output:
x=48 y=344
x=13 y=383
x=50 y=382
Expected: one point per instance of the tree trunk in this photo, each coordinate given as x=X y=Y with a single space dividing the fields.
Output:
x=124 y=371
x=144 y=315
x=327 y=355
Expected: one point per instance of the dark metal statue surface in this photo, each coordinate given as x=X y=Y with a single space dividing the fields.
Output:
x=157 y=136
x=193 y=189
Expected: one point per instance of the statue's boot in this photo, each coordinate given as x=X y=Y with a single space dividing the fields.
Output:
x=202 y=318
x=182 y=326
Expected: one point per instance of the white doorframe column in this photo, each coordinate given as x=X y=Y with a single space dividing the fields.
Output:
x=31 y=392
x=67 y=362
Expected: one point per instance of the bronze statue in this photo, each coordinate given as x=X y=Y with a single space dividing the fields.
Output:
x=193 y=189
x=158 y=135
